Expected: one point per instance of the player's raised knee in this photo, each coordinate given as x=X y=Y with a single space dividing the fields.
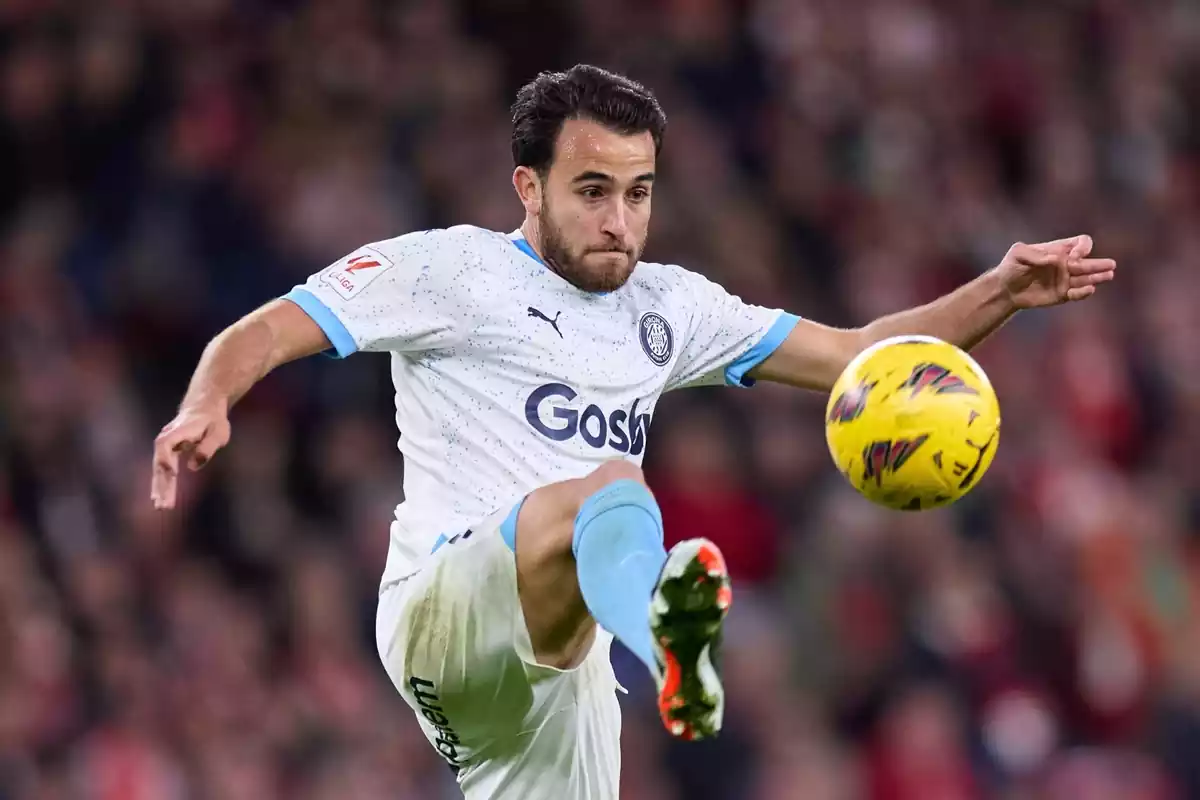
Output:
x=610 y=472
x=546 y=525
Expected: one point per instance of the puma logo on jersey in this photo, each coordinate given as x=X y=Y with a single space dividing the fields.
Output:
x=533 y=312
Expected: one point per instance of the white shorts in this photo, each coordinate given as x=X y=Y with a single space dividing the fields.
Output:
x=453 y=640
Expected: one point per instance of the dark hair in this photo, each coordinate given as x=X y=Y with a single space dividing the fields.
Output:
x=582 y=92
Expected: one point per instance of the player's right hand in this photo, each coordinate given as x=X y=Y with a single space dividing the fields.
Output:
x=196 y=433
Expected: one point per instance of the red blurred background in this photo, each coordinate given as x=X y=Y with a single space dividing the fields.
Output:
x=167 y=165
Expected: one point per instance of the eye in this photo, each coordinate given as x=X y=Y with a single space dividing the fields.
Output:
x=639 y=194
x=591 y=192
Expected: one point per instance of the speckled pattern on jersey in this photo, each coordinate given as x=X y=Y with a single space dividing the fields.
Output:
x=508 y=377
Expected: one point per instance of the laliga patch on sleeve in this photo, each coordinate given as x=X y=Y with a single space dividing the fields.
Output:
x=355 y=272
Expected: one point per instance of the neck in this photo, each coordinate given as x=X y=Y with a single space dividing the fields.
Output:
x=530 y=230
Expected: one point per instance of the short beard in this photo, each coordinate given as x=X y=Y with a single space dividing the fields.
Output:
x=570 y=267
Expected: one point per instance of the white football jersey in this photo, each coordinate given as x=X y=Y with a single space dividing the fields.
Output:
x=508 y=377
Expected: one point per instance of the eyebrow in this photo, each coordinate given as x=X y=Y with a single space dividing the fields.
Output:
x=592 y=175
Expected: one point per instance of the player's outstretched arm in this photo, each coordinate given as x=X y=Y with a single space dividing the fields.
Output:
x=233 y=362
x=1029 y=276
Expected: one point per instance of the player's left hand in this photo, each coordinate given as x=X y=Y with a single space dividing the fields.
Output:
x=1056 y=272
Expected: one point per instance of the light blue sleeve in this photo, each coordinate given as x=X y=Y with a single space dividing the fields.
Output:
x=343 y=343
x=735 y=373
x=722 y=337
x=410 y=294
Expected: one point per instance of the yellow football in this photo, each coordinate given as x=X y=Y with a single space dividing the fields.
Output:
x=913 y=423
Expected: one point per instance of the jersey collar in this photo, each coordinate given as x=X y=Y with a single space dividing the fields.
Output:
x=526 y=248
x=522 y=244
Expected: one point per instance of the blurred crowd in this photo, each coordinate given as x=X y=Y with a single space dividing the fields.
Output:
x=167 y=165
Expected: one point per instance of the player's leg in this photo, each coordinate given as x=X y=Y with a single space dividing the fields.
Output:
x=591 y=550
x=454 y=642
x=549 y=579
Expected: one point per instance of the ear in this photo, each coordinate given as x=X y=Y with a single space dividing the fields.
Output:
x=529 y=189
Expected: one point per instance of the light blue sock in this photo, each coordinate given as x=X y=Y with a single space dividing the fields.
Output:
x=618 y=547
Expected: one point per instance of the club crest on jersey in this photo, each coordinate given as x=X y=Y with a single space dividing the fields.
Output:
x=658 y=342
x=352 y=274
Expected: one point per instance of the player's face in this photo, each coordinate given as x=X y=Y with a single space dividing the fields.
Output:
x=595 y=208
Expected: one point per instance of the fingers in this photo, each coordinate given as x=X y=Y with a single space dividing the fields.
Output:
x=1091 y=266
x=162 y=486
x=214 y=438
x=164 y=474
x=1058 y=271
x=1082 y=286
x=1075 y=246
x=1072 y=252
x=1090 y=279
x=1037 y=255
x=174 y=441
x=1081 y=248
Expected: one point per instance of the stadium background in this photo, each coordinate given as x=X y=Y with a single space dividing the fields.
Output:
x=167 y=165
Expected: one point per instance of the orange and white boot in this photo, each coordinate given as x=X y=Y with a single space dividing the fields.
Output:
x=687 y=610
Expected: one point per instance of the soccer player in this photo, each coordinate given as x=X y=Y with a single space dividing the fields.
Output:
x=527 y=367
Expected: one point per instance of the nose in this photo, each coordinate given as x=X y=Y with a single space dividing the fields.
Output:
x=615 y=224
